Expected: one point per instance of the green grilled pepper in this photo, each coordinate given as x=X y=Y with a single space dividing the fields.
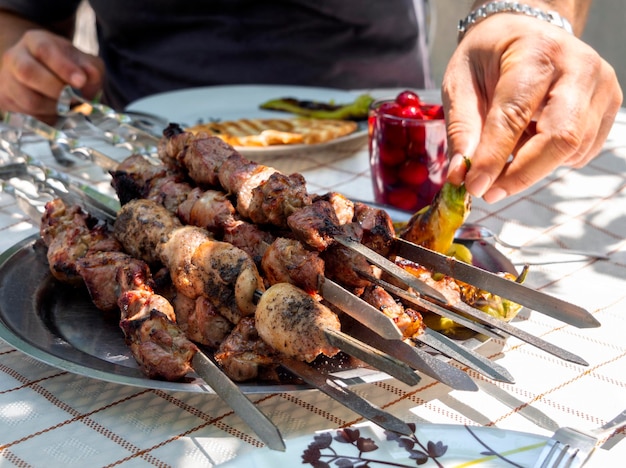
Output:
x=356 y=110
x=435 y=225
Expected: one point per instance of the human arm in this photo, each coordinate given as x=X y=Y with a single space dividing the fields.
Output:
x=522 y=86
x=37 y=62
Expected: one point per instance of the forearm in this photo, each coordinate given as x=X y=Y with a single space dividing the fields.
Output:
x=575 y=11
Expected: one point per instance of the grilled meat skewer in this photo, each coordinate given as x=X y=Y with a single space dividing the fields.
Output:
x=198 y=264
x=223 y=274
x=265 y=195
x=147 y=319
x=286 y=260
x=82 y=249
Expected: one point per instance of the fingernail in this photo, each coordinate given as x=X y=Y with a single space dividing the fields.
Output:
x=77 y=79
x=455 y=162
x=495 y=195
x=479 y=185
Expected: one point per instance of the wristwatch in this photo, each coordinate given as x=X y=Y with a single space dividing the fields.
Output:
x=492 y=8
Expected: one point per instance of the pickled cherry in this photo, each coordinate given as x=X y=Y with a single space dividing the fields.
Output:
x=408 y=99
x=407 y=151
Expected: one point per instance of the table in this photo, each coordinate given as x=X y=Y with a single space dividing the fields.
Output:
x=50 y=417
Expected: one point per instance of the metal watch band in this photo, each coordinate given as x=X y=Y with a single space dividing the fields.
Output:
x=492 y=8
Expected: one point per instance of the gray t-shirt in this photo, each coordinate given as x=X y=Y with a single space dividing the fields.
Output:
x=151 y=46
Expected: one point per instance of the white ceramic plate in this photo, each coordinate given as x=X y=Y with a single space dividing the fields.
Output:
x=191 y=106
x=431 y=445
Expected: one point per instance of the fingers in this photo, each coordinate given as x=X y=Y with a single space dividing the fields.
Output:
x=36 y=69
x=520 y=86
x=570 y=129
x=464 y=120
x=540 y=100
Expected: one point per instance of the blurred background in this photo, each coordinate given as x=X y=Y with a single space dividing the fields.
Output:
x=605 y=32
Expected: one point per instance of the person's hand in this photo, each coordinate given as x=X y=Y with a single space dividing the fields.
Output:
x=36 y=69
x=520 y=87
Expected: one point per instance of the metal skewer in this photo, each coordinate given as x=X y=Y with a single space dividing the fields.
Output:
x=349 y=399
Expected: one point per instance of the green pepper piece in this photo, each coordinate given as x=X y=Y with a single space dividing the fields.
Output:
x=435 y=225
x=356 y=110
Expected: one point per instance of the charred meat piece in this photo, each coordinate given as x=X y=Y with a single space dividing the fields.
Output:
x=276 y=198
x=70 y=233
x=222 y=273
x=169 y=192
x=133 y=176
x=203 y=158
x=157 y=343
x=209 y=209
x=138 y=177
x=99 y=271
x=293 y=322
x=245 y=356
x=315 y=225
x=249 y=238
x=177 y=255
x=344 y=265
x=408 y=320
x=201 y=321
x=173 y=144
x=239 y=177
x=287 y=261
x=199 y=155
x=377 y=225
x=142 y=226
x=343 y=207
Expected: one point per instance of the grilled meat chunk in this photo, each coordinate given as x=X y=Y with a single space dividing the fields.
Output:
x=276 y=198
x=99 y=271
x=315 y=225
x=70 y=233
x=201 y=321
x=239 y=176
x=203 y=158
x=287 y=261
x=157 y=343
x=343 y=264
x=209 y=209
x=245 y=356
x=174 y=142
x=249 y=238
x=133 y=176
x=343 y=207
x=142 y=226
x=377 y=226
x=293 y=322
x=408 y=320
x=224 y=274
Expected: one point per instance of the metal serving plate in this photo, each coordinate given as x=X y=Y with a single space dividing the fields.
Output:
x=59 y=325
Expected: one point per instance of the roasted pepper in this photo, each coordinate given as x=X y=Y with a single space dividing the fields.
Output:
x=435 y=225
x=356 y=110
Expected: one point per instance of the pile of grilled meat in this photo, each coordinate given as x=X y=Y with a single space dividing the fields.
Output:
x=210 y=248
